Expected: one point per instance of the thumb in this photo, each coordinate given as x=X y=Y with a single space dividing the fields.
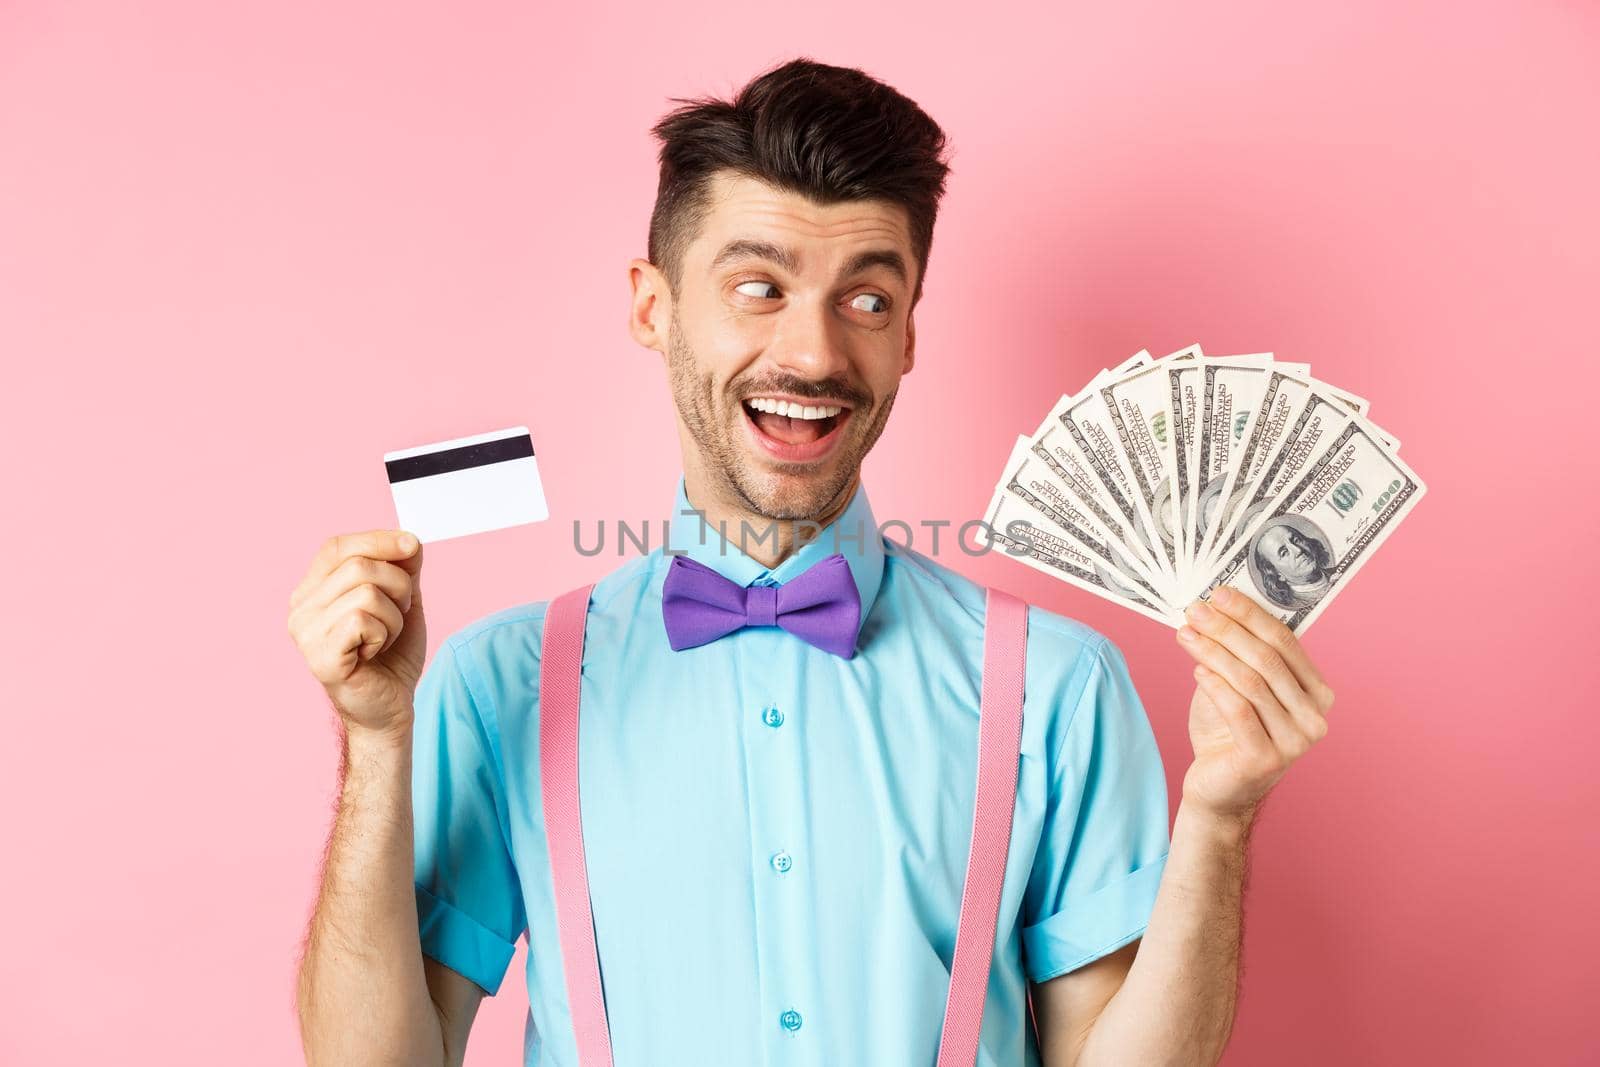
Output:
x=415 y=567
x=413 y=564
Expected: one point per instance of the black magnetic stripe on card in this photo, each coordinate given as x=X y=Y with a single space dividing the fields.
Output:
x=459 y=458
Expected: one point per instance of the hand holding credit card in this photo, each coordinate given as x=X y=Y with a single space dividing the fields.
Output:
x=467 y=485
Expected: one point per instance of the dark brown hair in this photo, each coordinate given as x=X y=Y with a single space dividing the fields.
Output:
x=829 y=133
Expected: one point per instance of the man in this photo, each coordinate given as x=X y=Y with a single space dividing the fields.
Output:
x=776 y=832
x=1290 y=559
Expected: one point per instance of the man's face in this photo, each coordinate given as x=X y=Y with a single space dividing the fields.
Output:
x=789 y=334
x=1287 y=552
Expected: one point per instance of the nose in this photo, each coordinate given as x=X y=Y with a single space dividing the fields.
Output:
x=811 y=343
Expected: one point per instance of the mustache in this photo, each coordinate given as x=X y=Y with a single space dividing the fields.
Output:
x=806 y=388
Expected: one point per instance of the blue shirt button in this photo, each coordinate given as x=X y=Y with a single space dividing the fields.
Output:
x=790 y=1020
x=781 y=861
x=772 y=716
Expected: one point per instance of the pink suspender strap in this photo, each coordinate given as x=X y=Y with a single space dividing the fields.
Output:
x=999 y=744
x=560 y=663
x=1005 y=631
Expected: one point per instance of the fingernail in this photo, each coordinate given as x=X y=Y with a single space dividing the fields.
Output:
x=407 y=542
x=1186 y=634
x=1222 y=595
x=1200 y=611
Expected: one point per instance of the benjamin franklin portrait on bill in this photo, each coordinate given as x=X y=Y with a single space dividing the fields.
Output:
x=1290 y=559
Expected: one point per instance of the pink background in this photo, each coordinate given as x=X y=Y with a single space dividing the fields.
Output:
x=245 y=249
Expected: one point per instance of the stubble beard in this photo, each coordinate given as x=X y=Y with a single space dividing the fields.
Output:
x=787 y=497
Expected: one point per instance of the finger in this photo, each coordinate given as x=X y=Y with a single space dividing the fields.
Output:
x=412 y=565
x=1247 y=684
x=348 y=643
x=1261 y=658
x=392 y=579
x=373 y=603
x=1244 y=725
x=1279 y=638
x=374 y=544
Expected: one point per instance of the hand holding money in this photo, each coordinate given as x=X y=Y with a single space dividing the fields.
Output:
x=357 y=619
x=1260 y=703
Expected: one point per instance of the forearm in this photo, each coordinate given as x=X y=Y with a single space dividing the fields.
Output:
x=1176 y=1006
x=362 y=995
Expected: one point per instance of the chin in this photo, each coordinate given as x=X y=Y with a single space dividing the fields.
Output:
x=791 y=494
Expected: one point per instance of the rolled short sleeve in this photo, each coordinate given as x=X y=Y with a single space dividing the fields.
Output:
x=1105 y=835
x=469 y=901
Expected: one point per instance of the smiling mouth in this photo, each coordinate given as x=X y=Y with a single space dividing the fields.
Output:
x=792 y=422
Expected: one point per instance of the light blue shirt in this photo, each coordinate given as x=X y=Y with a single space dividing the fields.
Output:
x=776 y=837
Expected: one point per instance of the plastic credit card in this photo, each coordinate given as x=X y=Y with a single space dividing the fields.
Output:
x=469 y=485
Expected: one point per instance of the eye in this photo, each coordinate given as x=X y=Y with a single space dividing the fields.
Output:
x=883 y=304
x=744 y=287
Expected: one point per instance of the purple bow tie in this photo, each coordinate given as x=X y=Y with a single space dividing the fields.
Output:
x=819 y=605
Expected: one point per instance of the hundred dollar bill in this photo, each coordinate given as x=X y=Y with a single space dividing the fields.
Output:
x=1288 y=387
x=1022 y=533
x=1188 y=353
x=1281 y=401
x=1182 y=409
x=1137 y=404
x=1305 y=548
x=1228 y=395
x=1029 y=478
x=1303 y=418
x=1054 y=447
x=1088 y=423
x=1183 y=374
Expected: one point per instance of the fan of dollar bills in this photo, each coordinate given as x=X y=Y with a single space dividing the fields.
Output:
x=1166 y=478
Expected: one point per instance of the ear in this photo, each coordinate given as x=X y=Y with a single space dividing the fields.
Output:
x=650 y=309
x=911 y=342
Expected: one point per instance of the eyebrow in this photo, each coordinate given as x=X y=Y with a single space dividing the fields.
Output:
x=749 y=248
x=887 y=258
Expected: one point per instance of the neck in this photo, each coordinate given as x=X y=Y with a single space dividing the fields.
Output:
x=725 y=510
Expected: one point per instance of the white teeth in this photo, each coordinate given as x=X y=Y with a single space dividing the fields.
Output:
x=793 y=411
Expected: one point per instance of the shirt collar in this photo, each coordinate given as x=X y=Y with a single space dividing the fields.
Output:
x=854 y=534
